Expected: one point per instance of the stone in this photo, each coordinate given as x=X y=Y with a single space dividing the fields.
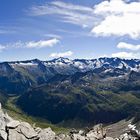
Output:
x=108 y=138
x=78 y=137
x=46 y=134
x=14 y=135
x=73 y=131
x=38 y=130
x=3 y=135
x=2 y=121
x=13 y=124
x=62 y=137
x=7 y=118
x=26 y=129
x=81 y=132
x=97 y=133
x=0 y=106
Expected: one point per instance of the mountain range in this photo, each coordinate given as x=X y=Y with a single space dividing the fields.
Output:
x=19 y=75
x=62 y=90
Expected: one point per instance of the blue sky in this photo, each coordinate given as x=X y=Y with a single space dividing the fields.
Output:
x=46 y=29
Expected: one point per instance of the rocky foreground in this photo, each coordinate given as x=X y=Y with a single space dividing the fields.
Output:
x=11 y=129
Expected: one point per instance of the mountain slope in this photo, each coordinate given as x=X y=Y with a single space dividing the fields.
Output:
x=80 y=89
x=88 y=97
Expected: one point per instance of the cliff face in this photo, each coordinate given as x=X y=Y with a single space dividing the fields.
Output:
x=11 y=129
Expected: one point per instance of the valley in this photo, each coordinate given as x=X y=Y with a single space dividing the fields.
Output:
x=79 y=92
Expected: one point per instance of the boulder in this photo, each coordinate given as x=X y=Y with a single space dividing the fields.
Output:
x=4 y=119
x=0 y=106
x=3 y=135
x=97 y=132
x=38 y=130
x=26 y=129
x=108 y=138
x=14 y=135
x=78 y=137
x=62 y=137
x=13 y=124
x=46 y=134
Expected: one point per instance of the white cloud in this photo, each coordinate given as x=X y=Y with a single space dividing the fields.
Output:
x=67 y=12
x=126 y=55
x=118 y=18
x=63 y=54
x=42 y=43
x=31 y=44
x=53 y=36
x=133 y=54
x=110 y=17
x=122 y=55
x=123 y=45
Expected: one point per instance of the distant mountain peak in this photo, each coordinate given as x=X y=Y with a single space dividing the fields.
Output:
x=36 y=60
x=61 y=59
x=63 y=65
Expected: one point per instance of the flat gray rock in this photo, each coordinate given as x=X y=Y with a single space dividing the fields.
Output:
x=27 y=130
x=13 y=124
